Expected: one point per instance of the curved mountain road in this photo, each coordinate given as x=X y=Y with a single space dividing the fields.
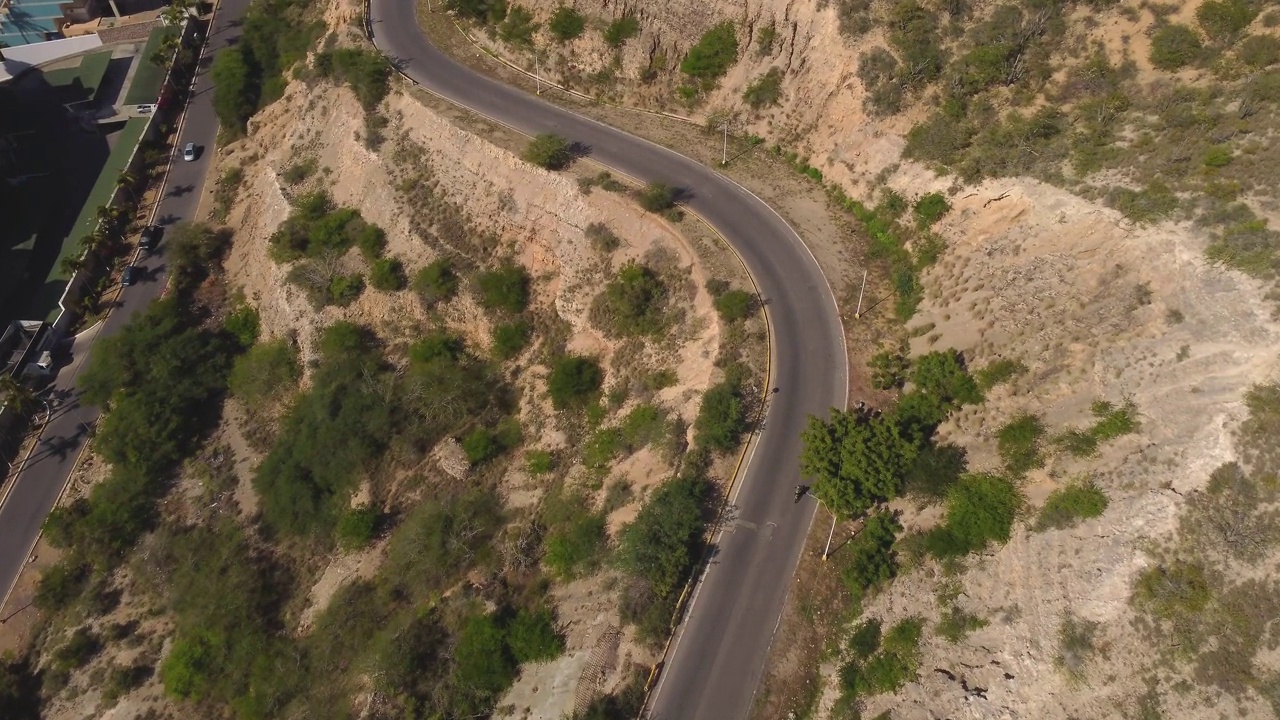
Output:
x=716 y=662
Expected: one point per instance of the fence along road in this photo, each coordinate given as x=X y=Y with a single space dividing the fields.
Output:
x=716 y=661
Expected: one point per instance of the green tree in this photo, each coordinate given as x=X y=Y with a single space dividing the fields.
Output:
x=657 y=197
x=357 y=527
x=621 y=30
x=941 y=375
x=659 y=546
x=549 y=151
x=714 y=53
x=855 y=461
x=511 y=338
x=1019 y=441
x=889 y=368
x=566 y=24
x=573 y=381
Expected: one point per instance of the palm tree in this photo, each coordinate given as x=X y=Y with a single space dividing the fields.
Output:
x=71 y=264
x=17 y=396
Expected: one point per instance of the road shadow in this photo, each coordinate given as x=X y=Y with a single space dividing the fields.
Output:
x=579 y=150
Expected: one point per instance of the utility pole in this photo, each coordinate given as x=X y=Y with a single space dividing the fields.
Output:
x=826 y=552
x=858 y=313
x=724 y=152
x=537 y=70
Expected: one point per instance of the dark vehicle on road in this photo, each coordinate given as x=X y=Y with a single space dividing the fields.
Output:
x=150 y=237
x=129 y=276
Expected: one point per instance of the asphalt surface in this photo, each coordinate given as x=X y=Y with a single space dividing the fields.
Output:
x=718 y=658
x=37 y=487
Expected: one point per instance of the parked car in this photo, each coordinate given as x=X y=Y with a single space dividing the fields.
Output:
x=189 y=152
x=150 y=237
x=129 y=276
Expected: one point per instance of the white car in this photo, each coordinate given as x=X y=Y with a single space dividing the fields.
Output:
x=189 y=152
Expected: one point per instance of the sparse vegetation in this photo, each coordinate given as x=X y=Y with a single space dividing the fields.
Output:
x=998 y=372
x=735 y=305
x=1175 y=46
x=880 y=665
x=930 y=208
x=602 y=238
x=518 y=26
x=765 y=90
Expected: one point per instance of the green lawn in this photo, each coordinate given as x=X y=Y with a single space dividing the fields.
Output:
x=148 y=78
x=88 y=73
x=101 y=193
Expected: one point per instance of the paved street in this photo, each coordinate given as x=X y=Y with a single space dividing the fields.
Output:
x=720 y=653
x=37 y=488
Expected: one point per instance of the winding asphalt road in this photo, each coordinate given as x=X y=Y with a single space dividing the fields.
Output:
x=38 y=485
x=719 y=654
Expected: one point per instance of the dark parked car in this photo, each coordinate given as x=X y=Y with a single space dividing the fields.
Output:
x=129 y=276
x=150 y=237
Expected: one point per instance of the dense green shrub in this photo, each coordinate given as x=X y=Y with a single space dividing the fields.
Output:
x=194 y=248
x=1259 y=51
x=267 y=371
x=482 y=661
x=357 y=527
x=532 y=636
x=366 y=71
x=1068 y=505
x=509 y=339
x=566 y=24
x=658 y=549
x=436 y=282
x=721 y=418
x=328 y=437
x=518 y=27
x=387 y=275
x=574 y=381
x=930 y=208
x=855 y=461
x=935 y=469
x=880 y=665
x=243 y=324
x=890 y=367
x=633 y=303
x=548 y=151
x=504 y=288
x=575 y=535
x=735 y=305
x=714 y=53
x=867 y=561
x=765 y=90
x=539 y=462
x=621 y=30
x=1020 y=441
x=657 y=197
x=980 y=508
x=1111 y=422
x=484 y=444
x=276 y=35
x=913 y=32
x=941 y=374
x=316 y=229
x=1175 y=46
x=1224 y=20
